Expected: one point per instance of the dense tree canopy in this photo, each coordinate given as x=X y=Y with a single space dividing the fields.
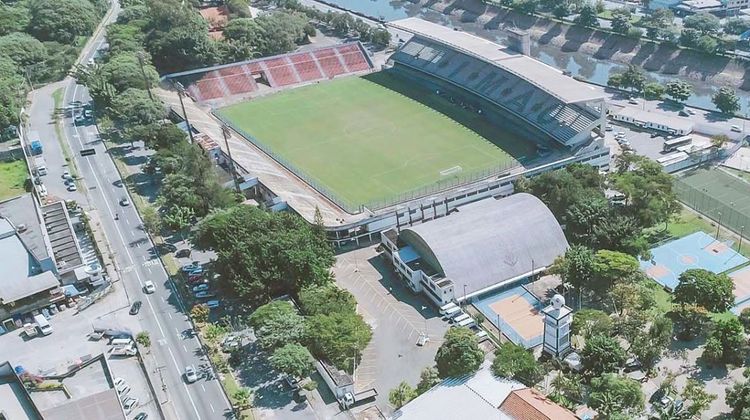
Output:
x=339 y=337
x=22 y=48
x=647 y=188
x=611 y=395
x=726 y=100
x=326 y=300
x=262 y=254
x=459 y=354
x=292 y=359
x=61 y=20
x=133 y=107
x=738 y=397
x=588 y=322
x=602 y=354
x=727 y=342
x=276 y=324
x=703 y=22
x=13 y=18
x=123 y=71
x=704 y=288
x=678 y=90
x=515 y=362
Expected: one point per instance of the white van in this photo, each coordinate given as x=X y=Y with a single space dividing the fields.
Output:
x=121 y=342
x=41 y=322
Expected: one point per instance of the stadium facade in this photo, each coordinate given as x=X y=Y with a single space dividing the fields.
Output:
x=564 y=117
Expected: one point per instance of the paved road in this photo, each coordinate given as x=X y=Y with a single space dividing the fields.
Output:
x=163 y=314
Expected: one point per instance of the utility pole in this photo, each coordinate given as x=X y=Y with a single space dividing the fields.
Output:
x=718 y=226
x=143 y=72
x=163 y=384
x=227 y=133
x=180 y=94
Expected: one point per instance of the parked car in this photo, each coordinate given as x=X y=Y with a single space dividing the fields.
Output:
x=204 y=295
x=191 y=267
x=135 y=308
x=124 y=202
x=128 y=350
x=129 y=403
x=141 y=416
x=736 y=129
x=231 y=342
x=633 y=101
x=183 y=253
x=72 y=187
x=198 y=278
x=201 y=288
x=190 y=374
x=196 y=272
x=213 y=304
x=148 y=287
x=66 y=174
x=118 y=382
x=123 y=390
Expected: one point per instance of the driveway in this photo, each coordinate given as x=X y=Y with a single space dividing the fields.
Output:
x=397 y=317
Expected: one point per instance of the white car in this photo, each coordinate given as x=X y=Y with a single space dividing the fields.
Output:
x=129 y=403
x=736 y=129
x=118 y=382
x=633 y=101
x=42 y=190
x=72 y=187
x=66 y=174
x=190 y=374
x=123 y=390
x=149 y=287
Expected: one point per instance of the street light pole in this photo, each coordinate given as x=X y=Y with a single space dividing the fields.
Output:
x=180 y=94
x=227 y=133
x=742 y=231
x=718 y=226
x=143 y=72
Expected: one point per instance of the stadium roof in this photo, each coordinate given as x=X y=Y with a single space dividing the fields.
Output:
x=487 y=243
x=547 y=78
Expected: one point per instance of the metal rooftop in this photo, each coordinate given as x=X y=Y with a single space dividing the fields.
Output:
x=21 y=211
x=22 y=274
x=549 y=79
x=61 y=236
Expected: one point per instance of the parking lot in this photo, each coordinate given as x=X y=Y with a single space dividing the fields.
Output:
x=397 y=317
x=69 y=342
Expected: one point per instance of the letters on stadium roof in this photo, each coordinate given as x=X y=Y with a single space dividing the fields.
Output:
x=551 y=80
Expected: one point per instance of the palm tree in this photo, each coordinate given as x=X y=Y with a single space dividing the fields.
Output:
x=674 y=410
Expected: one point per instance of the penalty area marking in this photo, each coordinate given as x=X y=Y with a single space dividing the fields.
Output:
x=451 y=171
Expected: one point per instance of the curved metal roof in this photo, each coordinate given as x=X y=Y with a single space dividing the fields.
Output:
x=489 y=242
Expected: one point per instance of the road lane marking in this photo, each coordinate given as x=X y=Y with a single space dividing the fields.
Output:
x=187 y=391
x=170 y=315
x=203 y=387
x=185 y=348
x=209 y=403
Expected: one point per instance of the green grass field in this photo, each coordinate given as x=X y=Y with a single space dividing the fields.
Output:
x=12 y=178
x=377 y=137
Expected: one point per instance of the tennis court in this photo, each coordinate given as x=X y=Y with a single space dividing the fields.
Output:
x=697 y=250
x=741 y=280
x=516 y=312
x=718 y=194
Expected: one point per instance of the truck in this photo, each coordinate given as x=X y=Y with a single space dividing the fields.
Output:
x=35 y=144
x=341 y=385
x=127 y=351
x=40 y=166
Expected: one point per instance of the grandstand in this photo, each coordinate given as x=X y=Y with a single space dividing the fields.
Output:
x=228 y=83
x=544 y=98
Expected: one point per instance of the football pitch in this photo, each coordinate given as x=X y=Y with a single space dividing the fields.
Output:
x=375 y=138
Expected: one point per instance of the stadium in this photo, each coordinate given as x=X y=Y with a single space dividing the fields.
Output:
x=447 y=119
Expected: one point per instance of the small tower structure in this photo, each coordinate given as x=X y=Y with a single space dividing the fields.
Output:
x=557 y=320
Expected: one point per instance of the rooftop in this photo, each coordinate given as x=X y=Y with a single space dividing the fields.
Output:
x=486 y=243
x=19 y=211
x=476 y=396
x=677 y=123
x=22 y=275
x=61 y=236
x=530 y=404
x=551 y=80
x=15 y=403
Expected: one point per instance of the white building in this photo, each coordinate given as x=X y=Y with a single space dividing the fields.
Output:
x=645 y=119
x=478 y=248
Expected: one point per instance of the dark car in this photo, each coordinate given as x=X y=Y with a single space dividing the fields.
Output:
x=135 y=308
x=183 y=253
x=141 y=416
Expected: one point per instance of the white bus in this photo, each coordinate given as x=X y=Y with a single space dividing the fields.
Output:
x=673 y=144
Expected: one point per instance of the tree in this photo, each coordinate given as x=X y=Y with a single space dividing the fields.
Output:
x=575 y=267
x=159 y=135
x=339 y=337
x=647 y=189
x=23 y=49
x=647 y=348
x=633 y=78
x=610 y=267
x=459 y=354
x=727 y=342
x=738 y=398
x=703 y=22
x=515 y=362
x=199 y=313
x=61 y=20
x=427 y=379
x=678 y=90
x=588 y=322
x=262 y=254
x=704 y=288
x=152 y=222
x=143 y=338
x=276 y=324
x=690 y=320
x=718 y=141
x=689 y=37
x=707 y=44
x=133 y=107
x=745 y=318
x=726 y=100
x=602 y=354
x=561 y=10
x=13 y=18
x=402 y=394
x=292 y=359
x=213 y=333
x=584 y=216
x=621 y=23
x=239 y=8
x=179 y=218
x=380 y=37
x=326 y=300
x=242 y=397
x=123 y=71
x=615 y=80
x=696 y=397
x=653 y=91
x=588 y=17
x=736 y=26
x=281 y=31
x=612 y=394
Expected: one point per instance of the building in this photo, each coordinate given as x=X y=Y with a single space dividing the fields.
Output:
x=482 y=396
x=673 y=125
x=15 y=401
x=477 y=248
x=712 y=6
x=25 y=285
x=557 y=320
